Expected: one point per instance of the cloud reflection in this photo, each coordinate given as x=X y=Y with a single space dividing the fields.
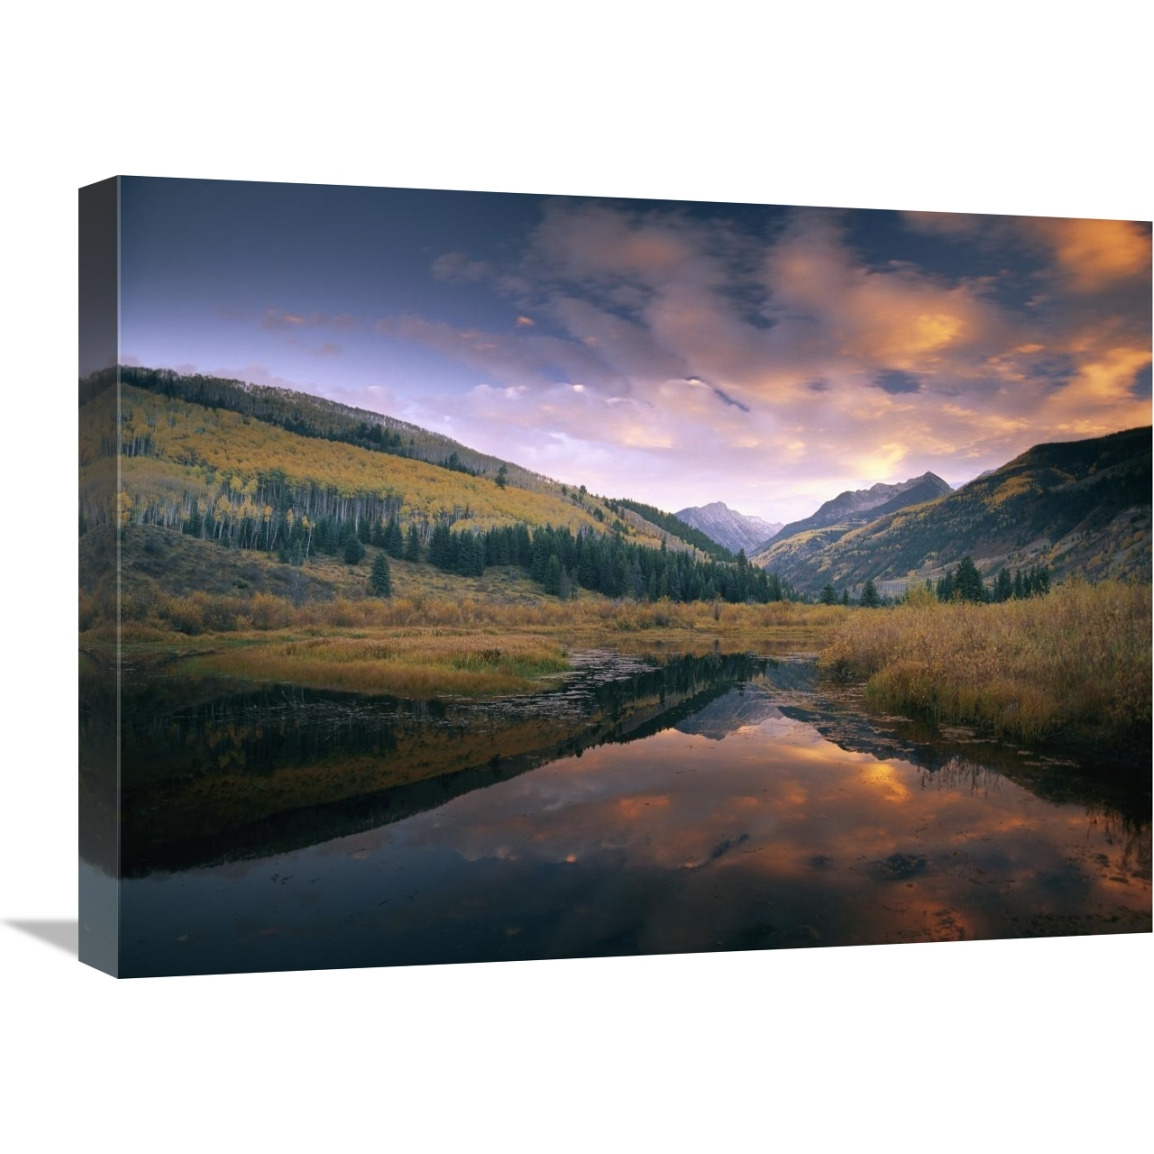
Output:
x=828 y=845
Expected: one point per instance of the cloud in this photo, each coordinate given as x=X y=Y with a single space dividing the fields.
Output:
x=277 y=320
x=326 y=349
x=513 y=358
x=594 y=242
x=894 y=381
x=953 y=225
x=1085 y=255
x=705 y=362
x=721 y=394
x=898 y=318
x=1101 y=398
x=456 y=266
x=1093 y=255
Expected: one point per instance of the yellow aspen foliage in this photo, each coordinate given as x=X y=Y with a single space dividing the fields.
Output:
x=240 y=452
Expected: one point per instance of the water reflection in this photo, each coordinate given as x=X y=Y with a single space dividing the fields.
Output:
x=726 y=809
x=209 y=774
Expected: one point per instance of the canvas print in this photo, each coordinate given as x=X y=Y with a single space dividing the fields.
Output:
x=473 y=577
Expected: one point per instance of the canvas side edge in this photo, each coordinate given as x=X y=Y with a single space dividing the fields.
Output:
x=99 y=594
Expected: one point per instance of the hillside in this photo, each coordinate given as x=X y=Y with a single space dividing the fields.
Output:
x=860 y=506
x=729 y=528
x=1077 y=508
x=217 y=446
x=292 y=483
x=319 y=418
x=179 y=458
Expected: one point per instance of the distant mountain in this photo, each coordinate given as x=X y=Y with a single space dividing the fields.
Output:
x=1076 y=507
x=725 y=715
x=860 y=506
x=727 y=527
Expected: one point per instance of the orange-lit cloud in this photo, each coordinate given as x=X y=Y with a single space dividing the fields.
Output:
x=895 y=318
x=772 y=373
x=1100 y=395
x=1096 y=254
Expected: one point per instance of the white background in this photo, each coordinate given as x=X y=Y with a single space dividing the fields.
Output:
x=979 y=107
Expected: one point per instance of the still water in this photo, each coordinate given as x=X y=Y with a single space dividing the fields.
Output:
x=714 y=804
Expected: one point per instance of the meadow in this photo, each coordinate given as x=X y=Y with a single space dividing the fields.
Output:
x=1073 y=666
x=421 y=647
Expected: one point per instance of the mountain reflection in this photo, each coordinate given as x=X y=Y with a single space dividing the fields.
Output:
x=770 y=836
x=235 y=775
x=723 y=805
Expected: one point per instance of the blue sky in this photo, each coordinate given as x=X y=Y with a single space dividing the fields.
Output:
x=679 y=354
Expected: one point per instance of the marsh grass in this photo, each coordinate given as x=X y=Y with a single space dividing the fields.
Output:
x=420 y=647
x=200 y=612
x=417 y=664
x=212 y=614
x=1075 y=664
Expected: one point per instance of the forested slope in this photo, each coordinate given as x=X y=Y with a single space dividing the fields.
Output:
x=288 y=477
x=1075 y=508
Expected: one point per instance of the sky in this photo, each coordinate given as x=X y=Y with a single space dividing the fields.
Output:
x=675 y=353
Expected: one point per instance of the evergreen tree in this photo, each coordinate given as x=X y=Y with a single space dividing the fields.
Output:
x=324 y=537
x=869 y=595
x=470 y=555
x=541 y=554
x=968 y=581
x=828 y=594
x=1039 y=582
x=502 y=477
x=1003 y=586
x=636 y=580
x=441 y=548
x=844 y=597
x=552 y=580
x=413 y=545
x=393 y=540
x=354 y=551
x=380 y=580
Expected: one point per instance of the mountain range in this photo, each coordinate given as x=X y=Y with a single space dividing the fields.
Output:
x=860 y=506
x=221 y=461
x=735 y=531
x=1075 y=507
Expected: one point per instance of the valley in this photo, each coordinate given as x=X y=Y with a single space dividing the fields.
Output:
x=274 y=538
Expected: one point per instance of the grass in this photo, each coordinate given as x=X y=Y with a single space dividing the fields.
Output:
x=194 y=614
x=416 y=664
x=481 y=642
x=1073 y=665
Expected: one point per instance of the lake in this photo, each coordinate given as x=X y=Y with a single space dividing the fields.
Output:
x=724 y=802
